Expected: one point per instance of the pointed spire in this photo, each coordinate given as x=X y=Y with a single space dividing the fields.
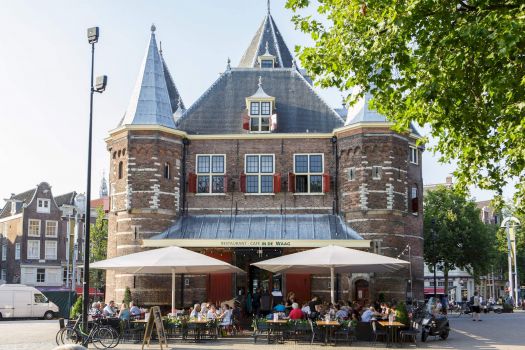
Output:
x=103 y=192
x=360 y=112
x=173 y=92
x=150 y=102
x=268 y=33
x=268 y=6
x=228 y=65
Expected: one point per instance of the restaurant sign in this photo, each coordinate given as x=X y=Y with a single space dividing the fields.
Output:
x=248 y=243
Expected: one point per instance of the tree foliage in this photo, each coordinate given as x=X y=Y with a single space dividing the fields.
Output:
x=98 y=247
x=127 y=296
x=454 y=235
x=457 y=66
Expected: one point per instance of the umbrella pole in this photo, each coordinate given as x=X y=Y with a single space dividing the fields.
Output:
x=332 y=283
x=173 y=291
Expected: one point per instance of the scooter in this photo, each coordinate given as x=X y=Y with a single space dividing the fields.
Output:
x=434 y=325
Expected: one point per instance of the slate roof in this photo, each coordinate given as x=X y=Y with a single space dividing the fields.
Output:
x=260 y=226
x=267 y=33
x=173 y=92
x=150 y=102
x=67 y=198
x=299 y=108
x=21 y=198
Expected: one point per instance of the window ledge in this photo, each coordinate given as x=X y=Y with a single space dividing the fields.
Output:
x=209 y=194
x=259 y=194
x=309 y=194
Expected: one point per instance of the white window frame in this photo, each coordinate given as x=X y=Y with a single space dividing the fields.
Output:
x=51 y=245
x=36 y=275
x=210 y=174
x=259 y=117
x=18 y=250
x=29 y=233
x=376 y=172
x=3 y=274
x=259 y=174
x=13 y=207
x=55 y=234
x=4 y=252
x=41 y=206
x=308 y=173
x=414 y=155
x=30 y=242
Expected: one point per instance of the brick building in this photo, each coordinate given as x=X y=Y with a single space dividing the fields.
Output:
x=259 y=166
x=33 y=237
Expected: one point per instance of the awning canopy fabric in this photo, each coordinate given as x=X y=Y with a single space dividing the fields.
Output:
x=430 y=290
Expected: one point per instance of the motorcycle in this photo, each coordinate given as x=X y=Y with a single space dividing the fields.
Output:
x=434 y=325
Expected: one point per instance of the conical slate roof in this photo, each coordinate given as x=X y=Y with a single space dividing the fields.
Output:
x=267 y=33
x=172 y=89
x=150 y=102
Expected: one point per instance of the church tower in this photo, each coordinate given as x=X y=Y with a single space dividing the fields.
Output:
x=145 y=176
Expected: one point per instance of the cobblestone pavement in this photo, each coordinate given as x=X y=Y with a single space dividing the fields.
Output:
x=504 y=331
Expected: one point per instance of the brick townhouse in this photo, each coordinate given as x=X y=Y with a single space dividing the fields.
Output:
x=257 y=167
x=33 y=235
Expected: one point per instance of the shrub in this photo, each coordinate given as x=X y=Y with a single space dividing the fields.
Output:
x=127 y=296
x=402 y=314
x=76 y=310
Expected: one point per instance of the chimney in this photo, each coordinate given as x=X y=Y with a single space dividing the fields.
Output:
x=449 y=180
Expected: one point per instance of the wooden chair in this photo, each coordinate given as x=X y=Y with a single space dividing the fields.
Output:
x=411 y=333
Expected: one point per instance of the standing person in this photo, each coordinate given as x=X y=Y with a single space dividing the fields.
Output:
x=256 y=302
x=476 y=307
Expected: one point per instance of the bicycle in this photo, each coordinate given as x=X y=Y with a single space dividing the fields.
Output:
x=102 y=337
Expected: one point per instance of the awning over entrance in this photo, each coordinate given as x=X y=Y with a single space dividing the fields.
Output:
x=259 y=230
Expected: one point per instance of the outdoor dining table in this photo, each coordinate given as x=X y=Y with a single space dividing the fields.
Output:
x=200 y=325
x=276 y=328
x=392 y=330
x=328 y=327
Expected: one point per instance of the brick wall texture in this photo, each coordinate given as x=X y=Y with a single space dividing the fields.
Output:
x=375 y=202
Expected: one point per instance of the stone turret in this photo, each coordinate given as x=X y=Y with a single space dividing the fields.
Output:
x=145 y=178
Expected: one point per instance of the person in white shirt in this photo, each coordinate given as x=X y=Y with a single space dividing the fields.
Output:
x=212 y=313
x=476 y=307
x=109 y=310
x=306 y=309
x=226 y=316
x=196 y=311
x=369 y=314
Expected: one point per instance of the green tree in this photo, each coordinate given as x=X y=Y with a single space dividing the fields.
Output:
x=454 y=235
x=98 y=247
x=456 y=66
x=76 y=310
x=127 y=296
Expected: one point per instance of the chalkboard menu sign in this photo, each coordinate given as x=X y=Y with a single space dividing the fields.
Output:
x=155 y=321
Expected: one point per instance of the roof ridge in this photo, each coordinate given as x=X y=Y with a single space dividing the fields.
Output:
x=260 y=39
x=172 y=81
x=320 y=97
x=276 y=43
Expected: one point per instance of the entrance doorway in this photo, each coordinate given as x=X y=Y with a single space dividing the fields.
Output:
x=362 y=291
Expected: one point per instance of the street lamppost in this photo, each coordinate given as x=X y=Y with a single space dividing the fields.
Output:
x=100 y=86
x=408 y=248
x=433 y=233
x=511 y=245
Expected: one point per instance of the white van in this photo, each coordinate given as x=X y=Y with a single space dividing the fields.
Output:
x=18 y=300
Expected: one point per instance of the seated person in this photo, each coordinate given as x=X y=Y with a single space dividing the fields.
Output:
x=342 y=313
x=124 y=313
x=95 y=309
x=306 y=309
x=296 y=313
x=109 y=310
x=134 y=309
x=226 y=316
x=196 y=311
x=369 y=314
x=279 y=307
x=212 y=312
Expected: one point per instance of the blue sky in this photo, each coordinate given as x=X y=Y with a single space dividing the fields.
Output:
x=44 y=70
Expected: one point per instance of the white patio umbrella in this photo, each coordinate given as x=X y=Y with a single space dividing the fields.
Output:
x=333 y=259
x=166 y=260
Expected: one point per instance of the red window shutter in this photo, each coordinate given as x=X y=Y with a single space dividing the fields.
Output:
x=192 y=183
x=246 y=121
x=276 y=183
x=291 y=182
x=225 y=183
x=243 y=182
x=326 y=182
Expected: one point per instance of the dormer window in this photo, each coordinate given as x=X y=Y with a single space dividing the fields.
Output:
x=266 y=60
x=260 y=107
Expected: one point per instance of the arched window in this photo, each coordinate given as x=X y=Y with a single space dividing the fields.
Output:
x=167 y=168
x=414 y=200
x=120 y=165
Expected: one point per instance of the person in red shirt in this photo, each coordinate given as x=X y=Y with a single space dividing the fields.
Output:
x=296 y=313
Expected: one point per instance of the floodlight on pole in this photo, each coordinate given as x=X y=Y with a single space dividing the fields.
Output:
x=92 y=35
x=511 y=245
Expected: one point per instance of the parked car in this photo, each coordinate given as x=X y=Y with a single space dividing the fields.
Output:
x=18 y=300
